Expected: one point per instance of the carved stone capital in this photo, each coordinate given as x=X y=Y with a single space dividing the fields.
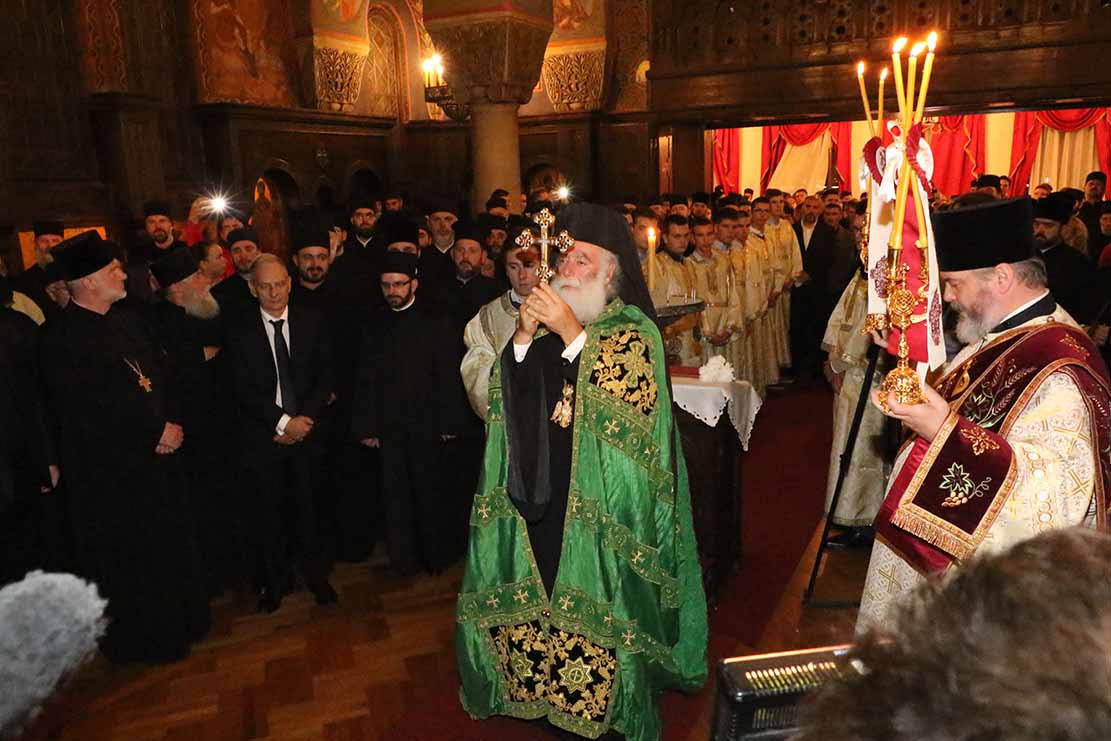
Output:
x=576 y=80
x=337 y=78
x=492 y=57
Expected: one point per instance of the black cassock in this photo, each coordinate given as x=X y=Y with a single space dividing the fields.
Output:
x=30 y=521
x=408 y=394
x=130 y=514
x=207 y=411
x=540 y=449
x=1070 y=278
x=33 y=282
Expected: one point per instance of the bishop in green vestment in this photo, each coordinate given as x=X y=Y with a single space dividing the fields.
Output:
x=582 y=597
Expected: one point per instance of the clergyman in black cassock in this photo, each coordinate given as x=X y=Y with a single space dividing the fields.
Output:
x=27 y=493
x=117 y=437
x=186 y=322
x=410 y=402
x=281 y=361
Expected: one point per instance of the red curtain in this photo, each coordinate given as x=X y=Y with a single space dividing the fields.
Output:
x=841 y=134
x=1028 y=135
x=958 y=144
x=776 y=139
x=727 y=159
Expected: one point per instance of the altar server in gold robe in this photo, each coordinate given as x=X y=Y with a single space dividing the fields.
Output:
x=674 y=286
x=712 y=279
x=786 y=258
x=767 y=351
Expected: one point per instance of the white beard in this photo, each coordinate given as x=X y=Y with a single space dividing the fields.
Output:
x=202 y=305
x=587 y=299
x=970 y=328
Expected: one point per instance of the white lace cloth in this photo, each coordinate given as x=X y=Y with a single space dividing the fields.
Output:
x=707 y=401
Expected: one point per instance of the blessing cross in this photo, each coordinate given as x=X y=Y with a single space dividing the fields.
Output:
x=527 y=241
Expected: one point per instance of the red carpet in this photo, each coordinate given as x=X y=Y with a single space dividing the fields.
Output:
x=784 y=480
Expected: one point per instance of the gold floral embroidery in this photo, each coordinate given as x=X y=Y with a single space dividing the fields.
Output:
x=979 y=439
x=1075 y=345
x=586 y=671
x=961 y=487
x=523 y=654
x=624 y=369
x=566 y=670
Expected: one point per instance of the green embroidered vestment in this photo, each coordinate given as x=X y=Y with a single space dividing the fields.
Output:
x=627 y=616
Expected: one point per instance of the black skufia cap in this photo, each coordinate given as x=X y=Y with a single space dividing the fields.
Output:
x=176 y=265
x=589 y=222
x=246 y=234
x=399 y=262
x=984 y=235
x=1054 y=207
x=82 y=255
x=42 y=228
x=157 y=208
x=395 y=228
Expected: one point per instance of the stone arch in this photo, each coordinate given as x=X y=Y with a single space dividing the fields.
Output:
x=385 y=74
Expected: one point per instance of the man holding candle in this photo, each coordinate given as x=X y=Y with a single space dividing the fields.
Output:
x=1014 y=439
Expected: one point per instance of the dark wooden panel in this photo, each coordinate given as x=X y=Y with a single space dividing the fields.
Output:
x=762 y=61
x=316 y=148
x=437 y=159
x=626 y=161
x=563 y=142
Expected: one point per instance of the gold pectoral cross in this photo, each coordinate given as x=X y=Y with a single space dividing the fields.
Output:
x=565 y=408
x=143 y=381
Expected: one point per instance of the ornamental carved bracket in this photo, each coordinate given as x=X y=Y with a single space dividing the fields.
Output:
x=575 y=81
x=490 y=57
x=337 y=78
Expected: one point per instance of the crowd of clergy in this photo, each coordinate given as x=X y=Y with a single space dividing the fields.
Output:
x=240 y=416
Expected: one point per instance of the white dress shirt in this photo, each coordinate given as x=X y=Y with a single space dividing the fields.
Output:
x=569 y=353
x=266 y=319
x=807 y=233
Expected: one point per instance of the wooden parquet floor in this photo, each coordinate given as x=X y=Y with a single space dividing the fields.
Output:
x=384 y=659
x=348 y=672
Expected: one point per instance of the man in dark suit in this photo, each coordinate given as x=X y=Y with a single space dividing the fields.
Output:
x=282 y=367
x=810 y=304
x=1068 y=272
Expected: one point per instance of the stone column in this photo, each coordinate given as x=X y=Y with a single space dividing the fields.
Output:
x=492 y=60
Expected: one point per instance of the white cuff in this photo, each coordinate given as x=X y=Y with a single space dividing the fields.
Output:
x=520 y=351
x=572 y=351
x=282 y=423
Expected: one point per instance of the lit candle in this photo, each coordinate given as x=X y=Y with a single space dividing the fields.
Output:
x=864 y=97
x=897 y=61
x=440 y=75
x=879 y=113
x=426 y=68
x=651 y=261
x=931 y=42
x=912 y=74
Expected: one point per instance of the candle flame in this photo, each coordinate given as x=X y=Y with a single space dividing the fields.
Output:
x=931 y=41
x=860 y=69
x=426 y=66
x=917 y=49
x=651 y=233
x=883 y=74
x=900 y=43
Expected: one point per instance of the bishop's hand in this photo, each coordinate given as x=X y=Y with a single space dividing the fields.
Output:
x=924 y=419
x=527 y=325
x=553 y=312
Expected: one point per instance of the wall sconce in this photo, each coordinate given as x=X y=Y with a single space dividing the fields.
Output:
x=436 y=89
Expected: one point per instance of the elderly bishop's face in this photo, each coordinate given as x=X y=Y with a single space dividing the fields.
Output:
x=585 y=275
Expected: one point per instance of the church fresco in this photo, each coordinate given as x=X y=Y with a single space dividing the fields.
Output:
x=578 y=19
x=243 y=49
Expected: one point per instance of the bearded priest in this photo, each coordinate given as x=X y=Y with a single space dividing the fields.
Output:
x=1015 y=439
x=582 y=597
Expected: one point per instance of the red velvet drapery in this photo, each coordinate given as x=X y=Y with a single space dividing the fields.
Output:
x=776 y=139
x=958 y=145
x=1028 y=135
x=727 y=159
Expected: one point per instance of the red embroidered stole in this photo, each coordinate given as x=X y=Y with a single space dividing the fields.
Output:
x=949 y=492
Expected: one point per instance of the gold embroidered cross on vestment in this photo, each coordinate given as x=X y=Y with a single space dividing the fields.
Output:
x=565 y=408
